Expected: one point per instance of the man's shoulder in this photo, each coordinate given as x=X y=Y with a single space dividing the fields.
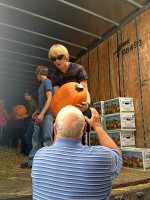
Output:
x=33 y=101
x=47 y=82
x=102 y=149
x=75 y=65
x=43 y=151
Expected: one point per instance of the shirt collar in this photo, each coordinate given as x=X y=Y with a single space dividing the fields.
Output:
x=68 y=142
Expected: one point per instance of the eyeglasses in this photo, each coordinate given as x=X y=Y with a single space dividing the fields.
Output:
x=53 y=59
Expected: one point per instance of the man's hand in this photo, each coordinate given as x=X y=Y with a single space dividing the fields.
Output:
x=82 y=107
x=94 y=121
x=39 y=118
x=34 y=116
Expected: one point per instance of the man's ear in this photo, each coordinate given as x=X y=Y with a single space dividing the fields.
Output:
x=85 y=127
x=55 y=131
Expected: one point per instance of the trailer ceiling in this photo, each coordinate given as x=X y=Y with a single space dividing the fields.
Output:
x=29 y=27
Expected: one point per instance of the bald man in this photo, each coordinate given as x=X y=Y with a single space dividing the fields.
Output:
x=69 y=170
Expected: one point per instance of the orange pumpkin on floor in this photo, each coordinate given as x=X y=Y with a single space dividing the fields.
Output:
x=71 y=93
x=19 y=110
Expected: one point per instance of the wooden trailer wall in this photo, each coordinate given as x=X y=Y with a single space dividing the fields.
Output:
x=120 y=67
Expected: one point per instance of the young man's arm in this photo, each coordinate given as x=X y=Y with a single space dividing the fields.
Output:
x=56 y=88
x=85 y=105
x=45 y=108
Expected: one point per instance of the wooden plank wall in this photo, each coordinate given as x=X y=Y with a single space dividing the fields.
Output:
x=93 y=74
x=120 y=66
x=104 y=79
x=85 y=63
x=132 y=76
x=143 y=26
x=114 y=67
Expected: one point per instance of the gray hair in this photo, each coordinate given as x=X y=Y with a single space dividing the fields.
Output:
x=70 y=122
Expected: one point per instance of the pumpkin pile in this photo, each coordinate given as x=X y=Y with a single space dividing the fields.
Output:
x=20 y=110
x=71 y=93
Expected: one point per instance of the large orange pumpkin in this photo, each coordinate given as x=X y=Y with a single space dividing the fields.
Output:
x=71 y=93
x=19 y=110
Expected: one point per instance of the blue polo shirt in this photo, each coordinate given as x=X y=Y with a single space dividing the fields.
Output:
x=69 y=170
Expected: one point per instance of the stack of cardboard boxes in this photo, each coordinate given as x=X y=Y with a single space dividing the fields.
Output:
x=93 y=139
x=118 y=119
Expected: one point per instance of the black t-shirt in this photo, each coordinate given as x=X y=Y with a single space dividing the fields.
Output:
x=74 y=73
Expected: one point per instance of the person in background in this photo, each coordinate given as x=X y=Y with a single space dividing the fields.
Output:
x=70 y=170
x=43 y=126
x=12 y=134
x=3 y=113
x=8 y=133
x=4 y=116
x=19 y=134
x=31 y=106
x=68 y=72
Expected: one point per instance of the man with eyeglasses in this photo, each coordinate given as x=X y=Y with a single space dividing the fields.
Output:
x=68 y=72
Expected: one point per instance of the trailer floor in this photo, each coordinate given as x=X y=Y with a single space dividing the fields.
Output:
x=15 y=183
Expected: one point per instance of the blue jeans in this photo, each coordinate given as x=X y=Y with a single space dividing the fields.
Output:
x=28 y=137
x=42 y=135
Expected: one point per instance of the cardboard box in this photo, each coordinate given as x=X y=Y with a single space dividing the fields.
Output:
x=85 y=139
x=93 y=139
x=117 y=105
x=120 y=121
x=123 y=138
x=103 y=123
x=99 y=106
x=137 y=158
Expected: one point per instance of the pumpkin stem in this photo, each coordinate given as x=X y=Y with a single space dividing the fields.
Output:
x=79 y=87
